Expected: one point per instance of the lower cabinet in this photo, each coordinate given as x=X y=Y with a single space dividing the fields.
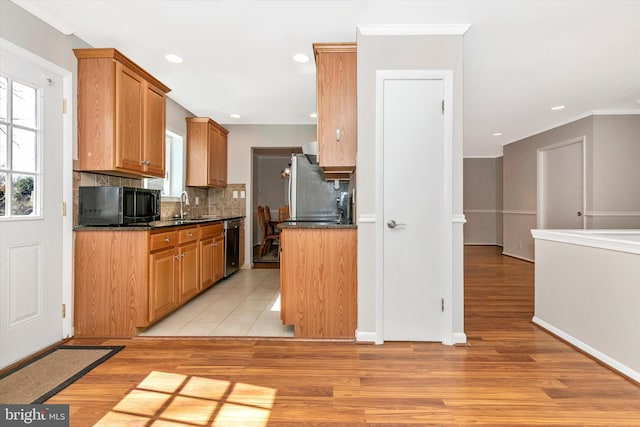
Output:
x=163 y=277
x=212 y=254
x=318 y=281
x=126 y=280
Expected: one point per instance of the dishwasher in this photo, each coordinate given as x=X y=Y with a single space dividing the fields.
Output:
x=231 y=246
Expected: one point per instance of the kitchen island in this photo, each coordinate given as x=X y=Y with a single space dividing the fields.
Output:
x=587 y=292
x=318 y=283
x=126 y=278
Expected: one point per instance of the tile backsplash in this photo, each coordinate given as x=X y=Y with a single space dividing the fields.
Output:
x=211 y=201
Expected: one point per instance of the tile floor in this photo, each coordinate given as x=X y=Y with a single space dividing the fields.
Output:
x=245 y=304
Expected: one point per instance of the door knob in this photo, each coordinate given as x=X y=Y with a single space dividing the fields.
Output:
x=393 y=224
x=579 y=213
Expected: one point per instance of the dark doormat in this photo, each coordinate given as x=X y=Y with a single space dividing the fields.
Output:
x=42 y=377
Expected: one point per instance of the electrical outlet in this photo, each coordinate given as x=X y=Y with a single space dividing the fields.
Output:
x=235 y=194
x=242 y=194
x=197 y=200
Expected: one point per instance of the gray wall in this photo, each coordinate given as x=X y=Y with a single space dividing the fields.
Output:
x=401 y=52
x=612 y=174
x=483 y=201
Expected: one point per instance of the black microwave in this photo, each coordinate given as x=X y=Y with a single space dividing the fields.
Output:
x=117 y=205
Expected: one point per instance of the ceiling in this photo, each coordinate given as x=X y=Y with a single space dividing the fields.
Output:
x=520 y=57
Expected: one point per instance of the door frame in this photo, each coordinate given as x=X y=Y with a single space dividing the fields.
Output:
x=67 y=174
x=540 y=180
x=448 y=219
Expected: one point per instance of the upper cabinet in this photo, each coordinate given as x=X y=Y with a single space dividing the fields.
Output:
x=336 y=108
x=121 y=115
x=206 y=153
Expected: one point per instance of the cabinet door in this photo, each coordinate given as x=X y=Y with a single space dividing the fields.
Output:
x=189 y=273
x=206 y=263
x=130 y=89
x=336 y=106
x=163 y=278
x=218 y=257
x=219 y=158
x=154 y=126
x=212 y=173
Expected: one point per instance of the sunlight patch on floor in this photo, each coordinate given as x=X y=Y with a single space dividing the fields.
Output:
x=165 y=398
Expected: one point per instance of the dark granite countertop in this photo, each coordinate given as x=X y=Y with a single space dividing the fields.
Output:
x=159 y=224
x=315 y=225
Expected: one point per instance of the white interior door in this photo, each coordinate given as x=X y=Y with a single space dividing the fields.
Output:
x=31 y=251
x=414 y=198
x=561 y=185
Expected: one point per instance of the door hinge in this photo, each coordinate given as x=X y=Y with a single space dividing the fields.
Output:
x=64 y=208
x=442 y=304
x=443 y=106
x=64 y=310
x=64 y=106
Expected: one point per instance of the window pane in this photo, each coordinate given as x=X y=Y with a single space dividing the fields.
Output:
x=3 y=147
x=24 y=109
x=3 y=187
x=22 y=194
x=24 y=150
x=3 y=98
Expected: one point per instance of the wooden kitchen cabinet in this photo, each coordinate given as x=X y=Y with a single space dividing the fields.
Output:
x=336 y=108
x=121 y=115
x=163 y=280
x=212 y=254
x=124 y=280
x=206 y=153
x=318 y=281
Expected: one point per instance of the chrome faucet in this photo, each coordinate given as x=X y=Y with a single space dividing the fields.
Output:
x=184 y=200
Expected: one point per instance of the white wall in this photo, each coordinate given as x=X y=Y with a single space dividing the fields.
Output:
x=417 y=52
x=241 y=139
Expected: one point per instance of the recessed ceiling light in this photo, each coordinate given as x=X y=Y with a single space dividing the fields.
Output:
x=497 y=134
x=234 y=116
x=173 y=58
x=313 y=115
x=557 y=108
x=301 y=58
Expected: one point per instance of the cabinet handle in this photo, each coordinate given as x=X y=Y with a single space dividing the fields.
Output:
x=166 y=239
x=338 y=134
x=190 y=234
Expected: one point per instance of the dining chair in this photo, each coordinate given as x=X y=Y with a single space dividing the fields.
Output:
x=268 y=233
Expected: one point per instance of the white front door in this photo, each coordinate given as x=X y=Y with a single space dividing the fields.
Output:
x=561 y=185
x=414 y=193
x=31 y=238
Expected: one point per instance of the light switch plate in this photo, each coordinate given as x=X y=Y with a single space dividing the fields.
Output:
x=242 y=194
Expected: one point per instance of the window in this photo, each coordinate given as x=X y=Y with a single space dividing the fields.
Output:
x=20 y=148
x=173 y=182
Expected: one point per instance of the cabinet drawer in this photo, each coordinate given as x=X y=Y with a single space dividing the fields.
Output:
x=211 y=230
x=188 y=235
x=163 y=240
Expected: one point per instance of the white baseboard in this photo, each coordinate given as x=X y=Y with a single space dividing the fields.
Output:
x=368 y=337
x=482 y=244
x=517 y=256
x=607 y=360
x=459 y=338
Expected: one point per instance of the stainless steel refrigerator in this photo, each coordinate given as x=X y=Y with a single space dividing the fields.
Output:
x=311 y=197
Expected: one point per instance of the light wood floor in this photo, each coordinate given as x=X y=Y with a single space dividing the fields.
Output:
x=510 y=373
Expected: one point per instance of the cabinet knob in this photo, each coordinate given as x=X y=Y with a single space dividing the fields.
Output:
x=184 y=254
x=166 y=239
x=176 y=256
x=190 y=234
